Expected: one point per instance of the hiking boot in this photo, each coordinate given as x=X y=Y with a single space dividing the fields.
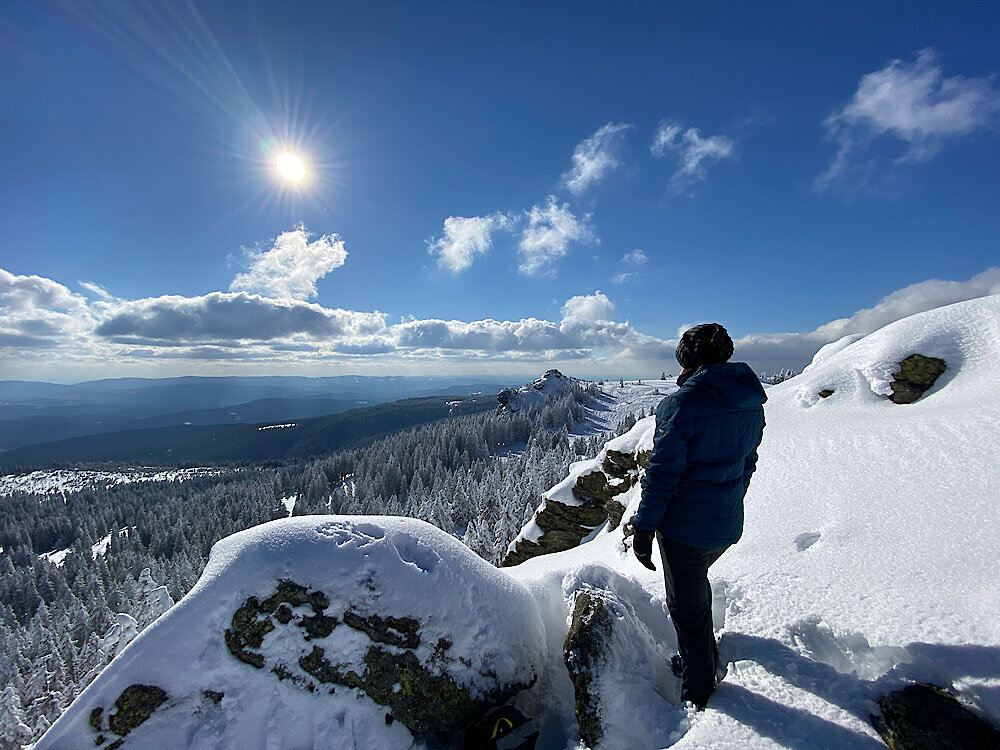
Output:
x=677 y=665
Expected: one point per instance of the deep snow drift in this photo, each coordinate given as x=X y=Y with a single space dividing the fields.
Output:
x=868 y=560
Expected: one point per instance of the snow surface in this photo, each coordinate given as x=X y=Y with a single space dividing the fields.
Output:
x=869 y=557
x=868 y=561
x=389 y=566
x=58 y=557
x=68 y=481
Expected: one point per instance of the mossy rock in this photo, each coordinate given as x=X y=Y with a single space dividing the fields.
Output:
x=927 y=717
x=136 y=704
x=424 y=697
x=618 y=464
x=826 y=393
x=642 y=458
x=916 y=375
x=594 y=486
x=393 y=631
x=615 y=512
x=583 y=653
x=563 y=527
x=424 y=700
x=253 y=620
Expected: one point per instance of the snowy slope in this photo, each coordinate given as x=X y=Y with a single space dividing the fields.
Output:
x=868 y=560
x=869 y=556
x=619 y=401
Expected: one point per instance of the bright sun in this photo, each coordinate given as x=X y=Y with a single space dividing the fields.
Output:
x=290 y=167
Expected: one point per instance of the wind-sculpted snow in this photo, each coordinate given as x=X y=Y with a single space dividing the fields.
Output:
x=297 y=631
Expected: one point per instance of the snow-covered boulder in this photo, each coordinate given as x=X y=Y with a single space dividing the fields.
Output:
x=589 y=498
x=615 y=663
x=328 y=630
x=551 y=385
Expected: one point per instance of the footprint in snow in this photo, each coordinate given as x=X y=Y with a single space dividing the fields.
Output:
x=806 y=540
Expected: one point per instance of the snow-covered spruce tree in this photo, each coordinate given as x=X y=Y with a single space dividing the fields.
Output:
x=477 y=476
x=13 y=731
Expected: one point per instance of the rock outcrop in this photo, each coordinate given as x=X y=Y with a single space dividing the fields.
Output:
x=927 y=717
x=916 y=375
x=132 y=708
x=584 y=655
x=551 y=385
x=564 y=525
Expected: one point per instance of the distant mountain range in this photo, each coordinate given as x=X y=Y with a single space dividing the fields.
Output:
x=219 y=443
x=32 y=412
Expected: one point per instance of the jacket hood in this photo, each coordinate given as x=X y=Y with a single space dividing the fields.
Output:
x=732 y=384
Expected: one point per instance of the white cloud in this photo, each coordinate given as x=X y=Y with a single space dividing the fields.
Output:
x=291 y=268
x=551 y=227
x=912 y=103
x=694 y=153
x=589 y=307
x=623 y=277
x=36 y=312
x=595 y=156
x=43 y=324
x=95 y=289
x=635 y=258
x=465 y=237
x=231 y=316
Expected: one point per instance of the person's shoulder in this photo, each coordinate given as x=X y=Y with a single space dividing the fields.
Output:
x=679 y=401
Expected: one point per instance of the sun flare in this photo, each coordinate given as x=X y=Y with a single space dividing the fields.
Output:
x=290 y=167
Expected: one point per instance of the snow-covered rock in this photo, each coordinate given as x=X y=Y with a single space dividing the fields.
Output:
x=591 y=496
x=551 y=385
x=868 y=560
x=319 y=631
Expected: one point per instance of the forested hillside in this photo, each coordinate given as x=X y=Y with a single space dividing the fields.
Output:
x=72 y=562
x=246 y=442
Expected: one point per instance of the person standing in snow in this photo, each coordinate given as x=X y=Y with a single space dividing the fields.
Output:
x=704 y=453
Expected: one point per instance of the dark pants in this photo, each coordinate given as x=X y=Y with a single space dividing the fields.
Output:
x=689 y=599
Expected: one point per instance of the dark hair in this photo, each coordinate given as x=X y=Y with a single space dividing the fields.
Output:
x=705 y=344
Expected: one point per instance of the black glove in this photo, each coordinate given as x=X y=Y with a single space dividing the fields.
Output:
x=642 y=546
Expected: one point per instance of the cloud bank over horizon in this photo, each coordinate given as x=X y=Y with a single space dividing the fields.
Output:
x=47 y=328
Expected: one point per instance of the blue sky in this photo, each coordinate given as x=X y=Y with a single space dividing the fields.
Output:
x=514 y=185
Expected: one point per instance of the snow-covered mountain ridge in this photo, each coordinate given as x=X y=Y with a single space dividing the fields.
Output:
x=867 y=562
x=551 y=385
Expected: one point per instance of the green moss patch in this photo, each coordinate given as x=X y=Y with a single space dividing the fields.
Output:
x=255 y=619
x=424 y=697
x=424 y=700
x=392 y=631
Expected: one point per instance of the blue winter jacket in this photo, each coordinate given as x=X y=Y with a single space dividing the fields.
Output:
x=704 y=452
